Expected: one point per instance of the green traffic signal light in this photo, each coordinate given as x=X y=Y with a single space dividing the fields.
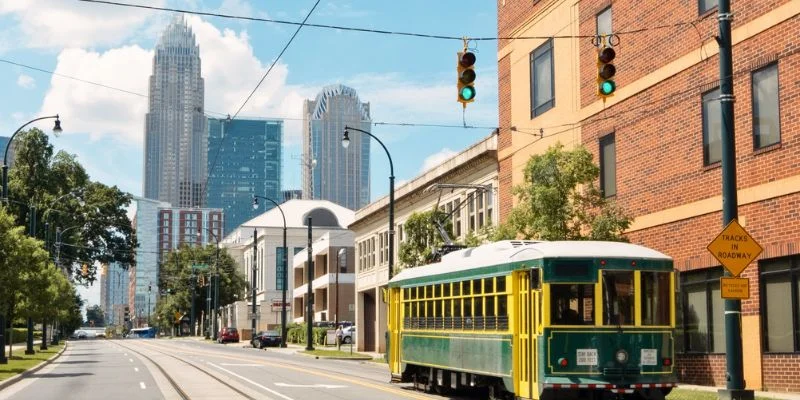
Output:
x=607 y=87
x=605 y=72
x=467 y=93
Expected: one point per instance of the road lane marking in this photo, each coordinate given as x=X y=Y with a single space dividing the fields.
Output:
x=250 y=381
x=141 y=384
x=130 y=359
x=317 y=385
x=136 y=369
x=240 y=365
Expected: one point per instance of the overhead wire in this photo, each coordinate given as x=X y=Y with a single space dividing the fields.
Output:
x=368 y=30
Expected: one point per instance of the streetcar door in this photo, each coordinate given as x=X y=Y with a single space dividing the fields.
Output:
x=523 y=360
x=394 y=330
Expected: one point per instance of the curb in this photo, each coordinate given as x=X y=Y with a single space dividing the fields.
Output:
x=365 y=358
x=25 y=374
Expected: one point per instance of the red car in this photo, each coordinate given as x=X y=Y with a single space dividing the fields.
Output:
x=228 y=335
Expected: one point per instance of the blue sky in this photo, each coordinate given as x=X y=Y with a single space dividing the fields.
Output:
x=405 y=79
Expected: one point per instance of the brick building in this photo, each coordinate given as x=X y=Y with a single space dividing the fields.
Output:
x=657 y=141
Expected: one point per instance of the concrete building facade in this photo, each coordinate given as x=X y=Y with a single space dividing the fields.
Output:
x=657 y=142
x=472 y=211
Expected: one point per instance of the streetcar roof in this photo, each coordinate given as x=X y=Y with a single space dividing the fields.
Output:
x=510 y=251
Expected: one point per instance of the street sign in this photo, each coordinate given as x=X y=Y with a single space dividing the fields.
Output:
x=200 y=267
x=276 y=305
x=734 y=248
x=253 y=315
x=735 y=288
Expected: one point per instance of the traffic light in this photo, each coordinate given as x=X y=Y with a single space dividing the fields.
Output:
x=127 y=314
x=606 y=71
x=201 y=281
x=466 y=77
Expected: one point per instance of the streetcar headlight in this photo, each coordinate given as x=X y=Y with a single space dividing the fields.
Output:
x=621 y=356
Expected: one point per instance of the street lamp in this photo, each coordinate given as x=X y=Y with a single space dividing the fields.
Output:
x=284 y=279
x=56 y=131
x=345 y=144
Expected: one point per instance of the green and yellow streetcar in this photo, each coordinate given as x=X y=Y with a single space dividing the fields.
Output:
x=537 y=320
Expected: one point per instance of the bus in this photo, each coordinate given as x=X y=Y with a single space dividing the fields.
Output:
x=142 y=333
x=537 y=320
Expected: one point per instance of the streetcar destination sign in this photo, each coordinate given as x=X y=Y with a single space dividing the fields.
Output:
x=734 y=248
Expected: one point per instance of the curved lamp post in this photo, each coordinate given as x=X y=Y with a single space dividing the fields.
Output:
x=56 y=130
x=284 y=279
x=345 y=144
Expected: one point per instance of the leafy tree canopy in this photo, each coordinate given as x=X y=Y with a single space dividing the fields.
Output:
x=558 y=200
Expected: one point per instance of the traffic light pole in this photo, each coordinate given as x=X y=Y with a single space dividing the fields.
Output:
x=735 y=385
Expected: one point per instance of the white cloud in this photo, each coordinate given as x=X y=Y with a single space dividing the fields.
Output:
x=60 y=23
x=435 y=159
x=26 y=81
x=235 y=7
x=96 y=110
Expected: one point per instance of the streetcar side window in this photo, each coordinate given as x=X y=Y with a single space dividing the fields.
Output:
x=618 y=298
x=655 y=298
x=571 y=304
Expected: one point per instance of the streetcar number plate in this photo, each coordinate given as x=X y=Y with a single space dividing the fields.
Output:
x=586 y=357
x=649 y=357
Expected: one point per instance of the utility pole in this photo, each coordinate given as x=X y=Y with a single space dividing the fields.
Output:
x=735 y=386
x=253 y=299
x=309 y=294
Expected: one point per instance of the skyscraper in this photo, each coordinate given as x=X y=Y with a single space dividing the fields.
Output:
x=244 y=159
x=175 y=166
x=331 y=172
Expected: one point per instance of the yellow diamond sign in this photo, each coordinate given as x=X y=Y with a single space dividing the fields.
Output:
x=734 y=248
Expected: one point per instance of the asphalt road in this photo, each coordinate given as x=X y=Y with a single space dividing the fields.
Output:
x=122 y=369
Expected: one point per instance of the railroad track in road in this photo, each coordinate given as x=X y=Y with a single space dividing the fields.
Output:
x=394 y=390
x=182 y=393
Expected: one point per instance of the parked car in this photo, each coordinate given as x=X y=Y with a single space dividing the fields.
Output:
x=348 y=334
x=228 y=335
x=266 y=339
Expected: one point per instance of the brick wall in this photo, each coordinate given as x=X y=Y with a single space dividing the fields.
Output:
x=700 y=369
x=781 y=372
x=513 y=13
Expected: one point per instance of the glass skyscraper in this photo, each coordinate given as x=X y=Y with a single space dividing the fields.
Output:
x=175 y=166
x=244 y=159
x=331 y=172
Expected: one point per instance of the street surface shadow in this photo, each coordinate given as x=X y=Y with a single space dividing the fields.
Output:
x=77 y=362
x=64 y=375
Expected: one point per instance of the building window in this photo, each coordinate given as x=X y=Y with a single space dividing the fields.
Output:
x=705 y=6
x=603 y=21
x=766 y=115
x=471 y=210
x=457 y=218
x=542 y=84
x=490 y=206
x=700 y=325
x=608 y=165
x=780 y=281
x=712 y=128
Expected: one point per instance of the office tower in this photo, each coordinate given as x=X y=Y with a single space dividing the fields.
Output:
x=331 y=172
x=113 y=292
x=175 y=166
x=292 y=194
x=244 y=159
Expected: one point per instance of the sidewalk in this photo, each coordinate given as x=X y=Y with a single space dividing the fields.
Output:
x=769 y=395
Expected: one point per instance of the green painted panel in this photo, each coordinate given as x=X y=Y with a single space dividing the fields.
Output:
x=484 y=354
x=563 y=343
x=585 y=270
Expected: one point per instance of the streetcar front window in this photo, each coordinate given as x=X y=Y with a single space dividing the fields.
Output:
x=571 y=304
x=618 y=298
x=655 y=298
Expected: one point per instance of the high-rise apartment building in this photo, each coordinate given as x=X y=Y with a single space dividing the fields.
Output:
x=113 y=292
x=161 y=228
x=244 y=159
x=175 y=166
x=331 y=172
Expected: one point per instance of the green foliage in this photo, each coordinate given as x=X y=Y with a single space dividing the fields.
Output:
x=95 y=316
x=178 y=279
x=421 y=237
x=58 y=188
x=296 y=333
x=558 y=200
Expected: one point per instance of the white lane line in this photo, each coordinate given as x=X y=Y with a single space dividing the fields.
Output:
x=317 y=385
x=130 y=359
x=250 y=382
x=136 y=369
x=141 y=385
x=241 y=365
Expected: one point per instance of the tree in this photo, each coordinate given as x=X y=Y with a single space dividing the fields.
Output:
x=101 y=230
x=421 y=237
x=558 y=200
x=95 y=316
x=177 y=281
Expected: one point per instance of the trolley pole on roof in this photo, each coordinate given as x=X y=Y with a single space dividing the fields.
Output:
x=734 y=376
